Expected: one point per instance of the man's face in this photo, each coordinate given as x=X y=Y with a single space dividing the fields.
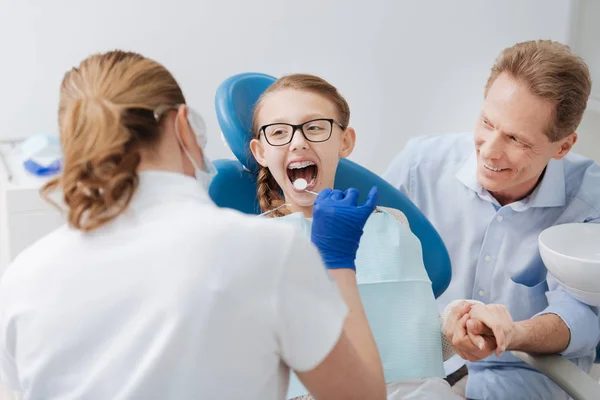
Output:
x=511 y=142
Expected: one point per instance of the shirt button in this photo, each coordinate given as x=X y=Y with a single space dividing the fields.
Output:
x=481 y=293
x=499 y=218
x=488 y=258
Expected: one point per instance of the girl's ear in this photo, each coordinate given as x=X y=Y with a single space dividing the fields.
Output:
x=347 y=143
x=258 y=151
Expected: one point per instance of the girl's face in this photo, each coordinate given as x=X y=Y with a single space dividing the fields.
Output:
x=314 y=162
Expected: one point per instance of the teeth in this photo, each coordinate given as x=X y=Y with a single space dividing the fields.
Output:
x=493 y=169
x=300 y=164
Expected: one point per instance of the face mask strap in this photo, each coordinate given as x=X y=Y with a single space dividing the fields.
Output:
x=198 y=126
x=185 y=150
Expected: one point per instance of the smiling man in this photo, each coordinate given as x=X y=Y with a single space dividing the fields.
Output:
x=490 y=195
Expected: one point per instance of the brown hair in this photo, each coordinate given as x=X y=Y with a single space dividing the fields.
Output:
x=106 y=114
x=552 y=72
x=268 y=191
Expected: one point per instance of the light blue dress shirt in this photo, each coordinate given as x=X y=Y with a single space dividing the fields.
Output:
x=494 y=249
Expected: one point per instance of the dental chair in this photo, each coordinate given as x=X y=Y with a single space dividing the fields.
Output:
x=235 y=184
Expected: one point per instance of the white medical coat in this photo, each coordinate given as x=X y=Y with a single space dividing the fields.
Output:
x=175 y=299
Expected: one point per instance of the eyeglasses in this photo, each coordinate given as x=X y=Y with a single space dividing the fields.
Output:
x=315 y=130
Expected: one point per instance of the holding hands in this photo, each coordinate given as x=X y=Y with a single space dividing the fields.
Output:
x=477 y=330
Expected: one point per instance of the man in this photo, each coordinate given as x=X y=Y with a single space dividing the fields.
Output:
x=490 y=196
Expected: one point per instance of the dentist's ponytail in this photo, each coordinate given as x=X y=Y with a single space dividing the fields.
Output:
x=106 y=114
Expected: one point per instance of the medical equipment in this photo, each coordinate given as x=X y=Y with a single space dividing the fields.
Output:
x=41 y=155
x=208 y=171
x=301 y=184
x=273 y=210
x=570 y=253
x=341 y=243
x=235 y=185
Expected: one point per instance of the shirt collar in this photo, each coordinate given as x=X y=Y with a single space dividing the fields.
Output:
x=160 y=186
x=550 y=192
x=467 y=174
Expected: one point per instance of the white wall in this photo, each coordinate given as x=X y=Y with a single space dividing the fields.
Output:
x=406 y=68
x=586 y=42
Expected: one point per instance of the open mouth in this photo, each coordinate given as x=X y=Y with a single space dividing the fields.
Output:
x=306 y=170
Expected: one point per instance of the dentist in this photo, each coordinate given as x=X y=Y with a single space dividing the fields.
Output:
x=151 y=291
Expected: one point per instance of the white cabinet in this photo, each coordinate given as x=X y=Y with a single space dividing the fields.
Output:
x=24 y=216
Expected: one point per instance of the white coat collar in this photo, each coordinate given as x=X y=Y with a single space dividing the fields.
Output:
x=161 y=186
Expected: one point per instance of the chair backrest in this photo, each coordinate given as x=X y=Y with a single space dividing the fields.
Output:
x=234 y=103
x=235 y=185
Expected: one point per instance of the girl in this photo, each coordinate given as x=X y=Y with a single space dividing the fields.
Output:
x=300 y=131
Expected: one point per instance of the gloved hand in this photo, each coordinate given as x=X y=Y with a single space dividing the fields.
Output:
x=338 y=223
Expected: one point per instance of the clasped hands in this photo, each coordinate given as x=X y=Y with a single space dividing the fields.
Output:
x=478 y=330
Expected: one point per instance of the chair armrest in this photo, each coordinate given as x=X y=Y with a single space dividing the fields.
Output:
x=574 y=381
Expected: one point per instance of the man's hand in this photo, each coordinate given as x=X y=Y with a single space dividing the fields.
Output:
x=471 y=339
x=497 y=319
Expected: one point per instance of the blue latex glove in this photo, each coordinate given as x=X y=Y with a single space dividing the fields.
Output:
x=338 y=223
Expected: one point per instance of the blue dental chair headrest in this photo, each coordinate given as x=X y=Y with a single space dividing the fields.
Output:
x=235 y=186
x=235 y=102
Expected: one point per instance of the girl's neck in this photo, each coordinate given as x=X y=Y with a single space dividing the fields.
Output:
x=307 y=211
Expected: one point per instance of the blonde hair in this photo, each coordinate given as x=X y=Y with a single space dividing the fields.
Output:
x=269 y=193
x=106 y=114
x=552 y=72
